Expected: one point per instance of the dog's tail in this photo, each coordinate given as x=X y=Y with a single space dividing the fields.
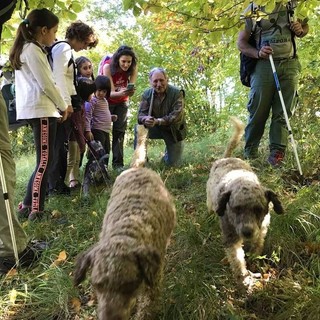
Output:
x=140 y=153
x=235 y=139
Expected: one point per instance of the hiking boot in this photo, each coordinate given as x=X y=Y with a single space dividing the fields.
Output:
x=276 y=157
x=27 y=257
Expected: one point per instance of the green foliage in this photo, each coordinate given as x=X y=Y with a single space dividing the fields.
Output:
x=22 y=141
x=66 y=10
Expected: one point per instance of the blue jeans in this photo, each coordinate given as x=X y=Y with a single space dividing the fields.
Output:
x=264 y=97
x=173 y=151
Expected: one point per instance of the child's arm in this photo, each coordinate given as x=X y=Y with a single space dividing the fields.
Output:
x=88 y=122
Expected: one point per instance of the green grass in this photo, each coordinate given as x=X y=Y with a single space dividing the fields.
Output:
x=198 y=285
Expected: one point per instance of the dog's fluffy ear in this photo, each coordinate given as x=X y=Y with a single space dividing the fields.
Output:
x=277 y=206
x=149 y=263
x=222 y=203
x=83 y=263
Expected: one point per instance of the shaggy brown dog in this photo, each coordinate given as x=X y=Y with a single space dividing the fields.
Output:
x=236 y=195
x=127 y=262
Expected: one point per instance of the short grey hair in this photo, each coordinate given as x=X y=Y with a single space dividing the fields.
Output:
x=157 y=69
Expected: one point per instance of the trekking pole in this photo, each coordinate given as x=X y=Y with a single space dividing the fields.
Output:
x=276 y=79
x=9 y=214
x=151 y=103
x=149 y=114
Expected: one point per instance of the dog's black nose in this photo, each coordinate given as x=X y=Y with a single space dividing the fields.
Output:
x=247 y=232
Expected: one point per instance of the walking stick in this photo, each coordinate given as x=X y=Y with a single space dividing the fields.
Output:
x=9 y=214
x=151 y=103
x=276 y=79
x=149 y=114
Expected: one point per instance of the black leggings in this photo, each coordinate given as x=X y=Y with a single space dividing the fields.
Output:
x=44 y=133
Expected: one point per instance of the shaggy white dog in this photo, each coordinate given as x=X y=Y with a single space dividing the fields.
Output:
x=242 y=203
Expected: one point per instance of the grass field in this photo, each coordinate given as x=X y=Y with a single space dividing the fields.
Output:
x=198 y=282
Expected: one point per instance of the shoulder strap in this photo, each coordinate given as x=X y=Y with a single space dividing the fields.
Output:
x=290 y=13
x=71 y=62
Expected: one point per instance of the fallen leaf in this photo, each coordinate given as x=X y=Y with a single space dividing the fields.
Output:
x=61 y=258
x=76 y=304
x=91 y=303
x=266 y=276
x=25 y=224
x=11 y=273
x=13 y=296
x=56 y=214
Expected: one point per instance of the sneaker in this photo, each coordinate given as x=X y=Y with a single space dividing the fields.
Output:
x=35 y=215
x=74 y=185
x=23 y=211
x=27 y=257
x=276 y=157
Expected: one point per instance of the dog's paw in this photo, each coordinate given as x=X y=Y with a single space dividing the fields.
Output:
x=256 y=275
x=250 y=282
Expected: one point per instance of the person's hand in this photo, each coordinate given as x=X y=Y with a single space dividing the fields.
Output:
x=123 y=92
x=149 y=121
x=89 y=136
x=264 y=52
x=130 y=92
x=114 y=117
x=296 y=27
x=69 y=110
x=64 y=116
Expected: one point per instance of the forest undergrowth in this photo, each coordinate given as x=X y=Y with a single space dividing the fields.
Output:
x=198 y=283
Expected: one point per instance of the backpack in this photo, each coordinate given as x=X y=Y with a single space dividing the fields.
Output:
x=247 y=64
x=75 y=99
x=49 y=54
x=10 y=100
x=6 y=9
x=105 y=60
x=8 y=94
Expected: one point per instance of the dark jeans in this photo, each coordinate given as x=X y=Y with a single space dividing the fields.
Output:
x=44 y=133
x=118 y=131
x=173 y=150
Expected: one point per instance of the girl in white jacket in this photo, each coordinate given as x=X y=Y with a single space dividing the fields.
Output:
x=38 y=100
